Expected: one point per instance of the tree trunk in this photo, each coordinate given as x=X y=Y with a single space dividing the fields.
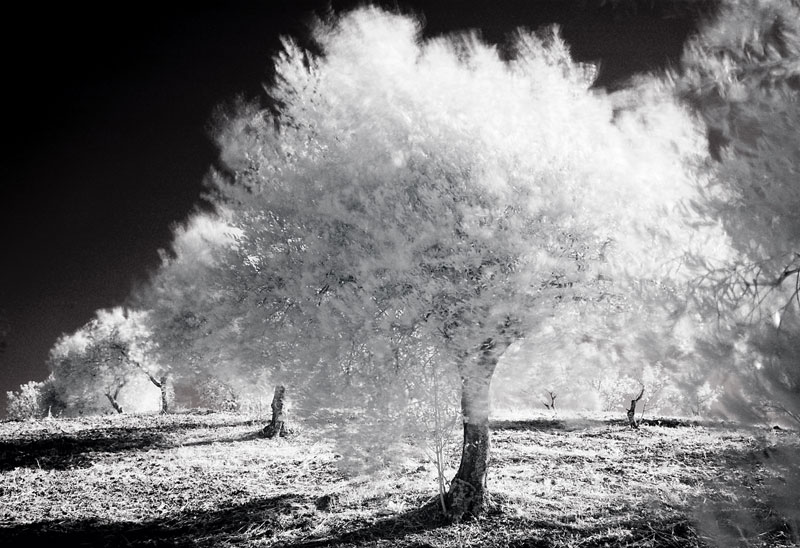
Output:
x=467 y=492
x=632 y=411
x=163 y=385
x=113 y=400
x=276 y=426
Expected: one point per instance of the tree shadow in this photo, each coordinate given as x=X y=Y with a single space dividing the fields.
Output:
x=392 y=528
x=573 y=424
x=499 y=528
x=663 y=531
x=763 y=480
x=74 y=450
x=264 y=520
x=530 y=424
x=258 y=519
x=65 y=451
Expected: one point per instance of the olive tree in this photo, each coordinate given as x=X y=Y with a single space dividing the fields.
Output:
x=402 y=202
x=95 y=363
x=185 y=297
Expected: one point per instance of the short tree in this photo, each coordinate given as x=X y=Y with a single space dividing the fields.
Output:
x=94 y=364
x=187 y=301
x=410 y=199
x=214 y=393
x=33 y=400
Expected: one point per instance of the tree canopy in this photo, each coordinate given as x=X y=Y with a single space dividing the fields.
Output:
x=742 y=74
x=91 y=367
x=410 y=201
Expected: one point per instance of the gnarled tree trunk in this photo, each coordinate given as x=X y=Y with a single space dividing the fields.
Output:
x=166 y=393
x=632 y=410
x=467 y=492
x=277 y=425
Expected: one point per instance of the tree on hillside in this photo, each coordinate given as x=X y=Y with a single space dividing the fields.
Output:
x=191 y=330
x=101 y=358
x=428 y=203
x=742 y=73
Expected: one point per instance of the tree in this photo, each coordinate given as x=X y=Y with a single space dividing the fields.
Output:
x=188 y=302
x=742 y=74
x=405 y=199
x=33 y=400
x=97 y=361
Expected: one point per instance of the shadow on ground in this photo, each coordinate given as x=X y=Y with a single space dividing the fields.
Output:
x=65 y=451
x=582 y=424
x=74 y=450
x=259 y=518
x=262 y=522
x=393 y=528
x=254 y=522
x=294 y=517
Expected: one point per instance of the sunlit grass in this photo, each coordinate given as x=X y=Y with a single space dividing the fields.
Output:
x=209 y=480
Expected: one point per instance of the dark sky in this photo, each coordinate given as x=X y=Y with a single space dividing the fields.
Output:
x=106 y=115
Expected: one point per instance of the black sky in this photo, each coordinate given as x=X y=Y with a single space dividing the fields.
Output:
x=106 y=116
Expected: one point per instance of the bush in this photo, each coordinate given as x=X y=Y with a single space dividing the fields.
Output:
x=216 y=394
x=33 y=400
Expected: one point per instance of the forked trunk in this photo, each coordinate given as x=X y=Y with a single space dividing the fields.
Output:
x=632 y=410
x=467 y=492
x=114 y=403
x=277 y=425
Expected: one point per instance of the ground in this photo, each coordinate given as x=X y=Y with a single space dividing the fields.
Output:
x=210 y=480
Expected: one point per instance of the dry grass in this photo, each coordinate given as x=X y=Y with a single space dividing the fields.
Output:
x=209 y=480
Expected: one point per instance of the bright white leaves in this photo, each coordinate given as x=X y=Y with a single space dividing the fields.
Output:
x=410 y=198
x=200 y=236
x=405 y=179
x=528 y=132
x=98 y=359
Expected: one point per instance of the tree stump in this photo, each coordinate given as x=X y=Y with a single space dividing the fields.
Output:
x=276 y=426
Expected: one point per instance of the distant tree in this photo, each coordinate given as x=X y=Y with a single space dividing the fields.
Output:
x=214 y=393
x=413 y=203
x=98 y=360
x=742 y=74
x=33 y=400
x=188 y=302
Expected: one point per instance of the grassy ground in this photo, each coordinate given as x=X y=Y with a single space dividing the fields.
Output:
x=208 y=480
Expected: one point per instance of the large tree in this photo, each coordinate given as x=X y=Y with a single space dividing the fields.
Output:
x=404 y=201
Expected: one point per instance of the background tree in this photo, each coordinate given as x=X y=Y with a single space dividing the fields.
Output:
x=91 y=367
x=34 y=400
x=742 y=74
x=416 y=199
x=187 y=304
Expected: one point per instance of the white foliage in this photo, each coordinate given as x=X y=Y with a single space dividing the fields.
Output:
x=106 y=357
x=415 y=196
